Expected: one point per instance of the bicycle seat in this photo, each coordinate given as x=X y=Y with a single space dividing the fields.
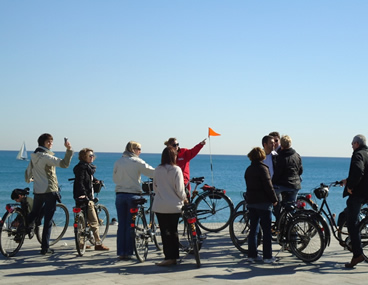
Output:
x=139 y=201
x=197 y=180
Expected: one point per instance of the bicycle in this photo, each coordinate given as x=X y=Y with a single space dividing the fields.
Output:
x=213 y=206
x=14 y=226
x=293 y=230
x=194 y=241
x=339 y=229
x=82 y=231
x=142 y=232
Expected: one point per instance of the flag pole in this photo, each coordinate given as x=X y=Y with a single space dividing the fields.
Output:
x=209 y=141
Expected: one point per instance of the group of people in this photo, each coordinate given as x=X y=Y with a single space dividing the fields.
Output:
x=170 y=178
x=274 y=169
x=277 y=169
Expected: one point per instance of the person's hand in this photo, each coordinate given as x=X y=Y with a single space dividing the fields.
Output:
x=350 y=191
x=68 y=145
x=343 y=182
x=186 y=202
x=203 y=142
x=82 y=197
x=275 y=203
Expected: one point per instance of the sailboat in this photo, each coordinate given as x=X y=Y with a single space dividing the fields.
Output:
x=22 y=154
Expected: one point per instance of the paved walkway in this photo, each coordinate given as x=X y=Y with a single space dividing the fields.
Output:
x=221 y=262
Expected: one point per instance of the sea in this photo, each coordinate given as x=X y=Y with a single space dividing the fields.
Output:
x=222 y=171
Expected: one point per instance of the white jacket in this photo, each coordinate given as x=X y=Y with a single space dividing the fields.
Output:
x=127 y=174
x=168 y=185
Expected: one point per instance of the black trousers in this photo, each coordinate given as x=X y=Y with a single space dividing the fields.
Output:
x=169 y=233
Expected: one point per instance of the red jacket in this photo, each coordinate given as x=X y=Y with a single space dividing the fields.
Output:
x=183 y=159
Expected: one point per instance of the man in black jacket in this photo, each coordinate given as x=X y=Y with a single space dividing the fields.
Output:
x=356 y=187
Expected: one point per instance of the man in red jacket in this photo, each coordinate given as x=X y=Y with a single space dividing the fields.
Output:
x=184 y=156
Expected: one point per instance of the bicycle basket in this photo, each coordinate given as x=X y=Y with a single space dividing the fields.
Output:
x=321 y=192
x=97 y=187
x=147 y=186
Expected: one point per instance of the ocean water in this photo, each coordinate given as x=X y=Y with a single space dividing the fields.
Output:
x=228 y=173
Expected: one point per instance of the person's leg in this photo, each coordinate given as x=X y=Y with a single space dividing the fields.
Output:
x=36 y=210
x=265 y=221
x=120 y=210
x=173 y=239
x=165 y=235
x=49 y=200
x=354 y=205
x=93 y=221
x=253 y=233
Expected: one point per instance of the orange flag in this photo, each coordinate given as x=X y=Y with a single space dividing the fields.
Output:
x=212 y=133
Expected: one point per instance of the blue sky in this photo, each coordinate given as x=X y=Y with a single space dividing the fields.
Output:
x=106 y=72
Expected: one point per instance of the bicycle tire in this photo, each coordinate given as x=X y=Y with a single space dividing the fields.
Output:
x=140 y=237
x=305 y=239
x=103 y=221
x=184 y=236
x=11 y=235
x=194 y=245
x=214 y=210
x=363 y=228
x=239 y=230
x=241 y=206
x=60 y=222
x=80 y=234
x=155 y=228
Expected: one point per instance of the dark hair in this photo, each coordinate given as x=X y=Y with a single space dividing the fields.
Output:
x=275 y=134
x=266 y=139
x=83 y=154
x=168 y=156
x=257 y=154
x=43 y=138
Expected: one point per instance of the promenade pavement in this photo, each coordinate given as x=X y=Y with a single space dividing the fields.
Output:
x=221 y=263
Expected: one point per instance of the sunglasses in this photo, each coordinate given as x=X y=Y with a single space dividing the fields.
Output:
x=91 y=155
x=175 y=145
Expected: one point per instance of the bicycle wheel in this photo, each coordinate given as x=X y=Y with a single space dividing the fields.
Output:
x=194 y=245
x=213 y=211
x=60 y=222
x=12 y=233
x=239 y=230
x=80 y=234
x=305 y=239
x=241 y=206
x=155 y=228
x=363 y=228
x=104 y=220
x=140 y=237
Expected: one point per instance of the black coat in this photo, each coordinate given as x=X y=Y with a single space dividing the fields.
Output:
x=288 y=169
x=259 y=186
x=83 y=172
x=358 y=173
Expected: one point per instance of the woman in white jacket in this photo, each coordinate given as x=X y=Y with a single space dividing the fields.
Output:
x=127 y=177
x=168 y=185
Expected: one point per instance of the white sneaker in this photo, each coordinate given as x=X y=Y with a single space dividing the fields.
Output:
x=269 y=260
x=254 y=259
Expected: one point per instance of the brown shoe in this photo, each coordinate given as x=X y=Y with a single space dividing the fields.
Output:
x=354 y=261
x=167 y=262
x=101 y=247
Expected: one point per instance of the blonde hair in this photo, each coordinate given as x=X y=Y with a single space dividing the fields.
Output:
x=285 y=141
x=132 y=145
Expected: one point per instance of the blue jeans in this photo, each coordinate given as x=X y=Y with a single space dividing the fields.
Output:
x=291 y=197
x=354 y=204
x=124 y=239
x=44 y=203
x=260 y=217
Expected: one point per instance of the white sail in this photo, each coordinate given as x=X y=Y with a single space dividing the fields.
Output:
x=22 y=154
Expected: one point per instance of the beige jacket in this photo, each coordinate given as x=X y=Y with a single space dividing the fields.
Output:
x=168 y=185
x=42 y=170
